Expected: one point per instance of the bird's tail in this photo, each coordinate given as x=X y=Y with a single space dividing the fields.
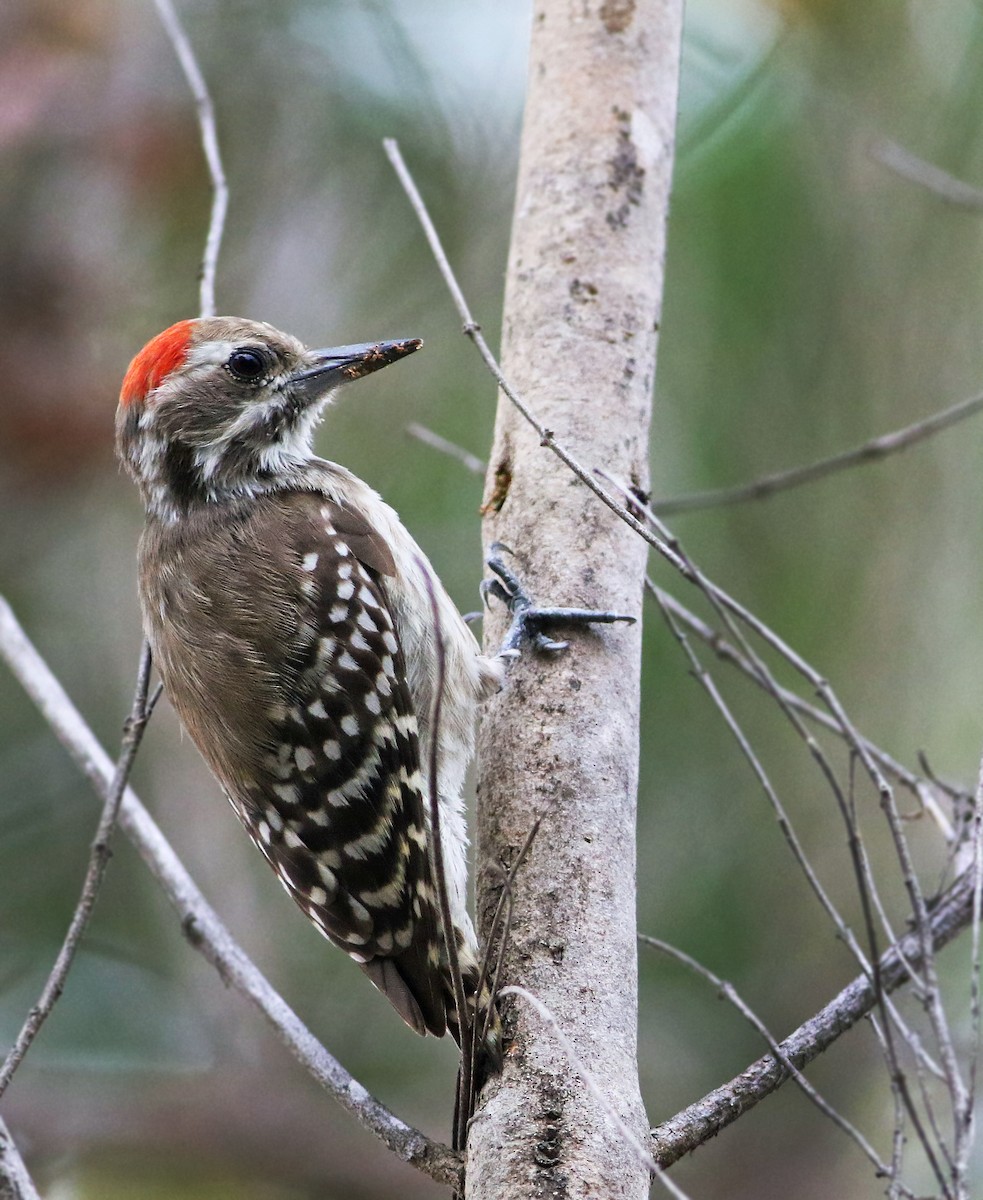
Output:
x=419 y=984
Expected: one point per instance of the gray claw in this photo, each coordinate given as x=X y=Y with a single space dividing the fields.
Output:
x=528 y=621
x=492 y=587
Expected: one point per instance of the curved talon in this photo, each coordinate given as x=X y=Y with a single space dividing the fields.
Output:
x=542 y=642
x=506 y=575
x=491 y=587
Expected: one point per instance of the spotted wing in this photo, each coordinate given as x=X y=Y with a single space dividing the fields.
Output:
x=338 y=811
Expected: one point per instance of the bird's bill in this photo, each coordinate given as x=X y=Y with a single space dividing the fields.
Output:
x=339 y=364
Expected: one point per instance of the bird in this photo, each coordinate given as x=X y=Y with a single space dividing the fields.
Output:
x=294 y=623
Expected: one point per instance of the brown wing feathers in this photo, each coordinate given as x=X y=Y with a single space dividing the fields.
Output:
x=333 y=797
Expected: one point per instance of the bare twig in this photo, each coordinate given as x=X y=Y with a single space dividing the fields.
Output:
x=962 y=800
x=966 y=1116
x=471 y=461
x=917 y=170
x=924 y=1090
x=703 y=1120
x=98 y=861
x=729 y=608
x=897 y=1146
x=726 y=652
x=15 y=1181
x=781 y=481
x=864 y=877
x=200 y=923
x=784 y=822
x=209 y=140
x=729 y=614
x=846 y=934
x=502 y=917
x=500 y=929
x=730 y=993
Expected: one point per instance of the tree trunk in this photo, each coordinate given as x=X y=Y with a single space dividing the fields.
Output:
x=582 y=308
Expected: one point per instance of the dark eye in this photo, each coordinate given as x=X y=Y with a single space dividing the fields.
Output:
x=249 y=365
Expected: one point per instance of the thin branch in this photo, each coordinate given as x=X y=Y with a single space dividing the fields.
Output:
x=471 y=461
x=15 y=1181
x=209 y=141
x=784 y=822
x=730 y=616
x=99 y=856
x=701 y=1121
x=864 y=877
x=924 y=1090
x=897 y=1146
x=669 y=547
x=781 y=481
x=200 y=923
x=917 y=170
x=962 y=801
x=502 y=917
x=500 y=929
x=788 y=832
x=730 y=993
x=932 y=999
x=966 y=1116
x=920 y=787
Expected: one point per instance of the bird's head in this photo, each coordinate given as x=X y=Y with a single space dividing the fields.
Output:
x=223 y=407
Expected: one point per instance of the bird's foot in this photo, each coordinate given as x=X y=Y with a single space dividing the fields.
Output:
x=528 y=619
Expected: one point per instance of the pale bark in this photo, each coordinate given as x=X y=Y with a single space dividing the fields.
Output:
x=15 y=1182
x=581 y=312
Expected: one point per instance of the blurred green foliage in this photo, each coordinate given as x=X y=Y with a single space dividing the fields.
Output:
x=813 y=300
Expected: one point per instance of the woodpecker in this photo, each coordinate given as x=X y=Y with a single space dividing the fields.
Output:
x=291 y=618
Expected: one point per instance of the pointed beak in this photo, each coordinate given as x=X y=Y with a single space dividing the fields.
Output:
x=339 y=364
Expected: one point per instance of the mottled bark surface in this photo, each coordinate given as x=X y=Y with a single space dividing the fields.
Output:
x=579 y=341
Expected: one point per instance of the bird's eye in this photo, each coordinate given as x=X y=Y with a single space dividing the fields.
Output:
x=248 y=365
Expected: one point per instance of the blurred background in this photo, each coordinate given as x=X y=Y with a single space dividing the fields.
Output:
x=814 y=299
